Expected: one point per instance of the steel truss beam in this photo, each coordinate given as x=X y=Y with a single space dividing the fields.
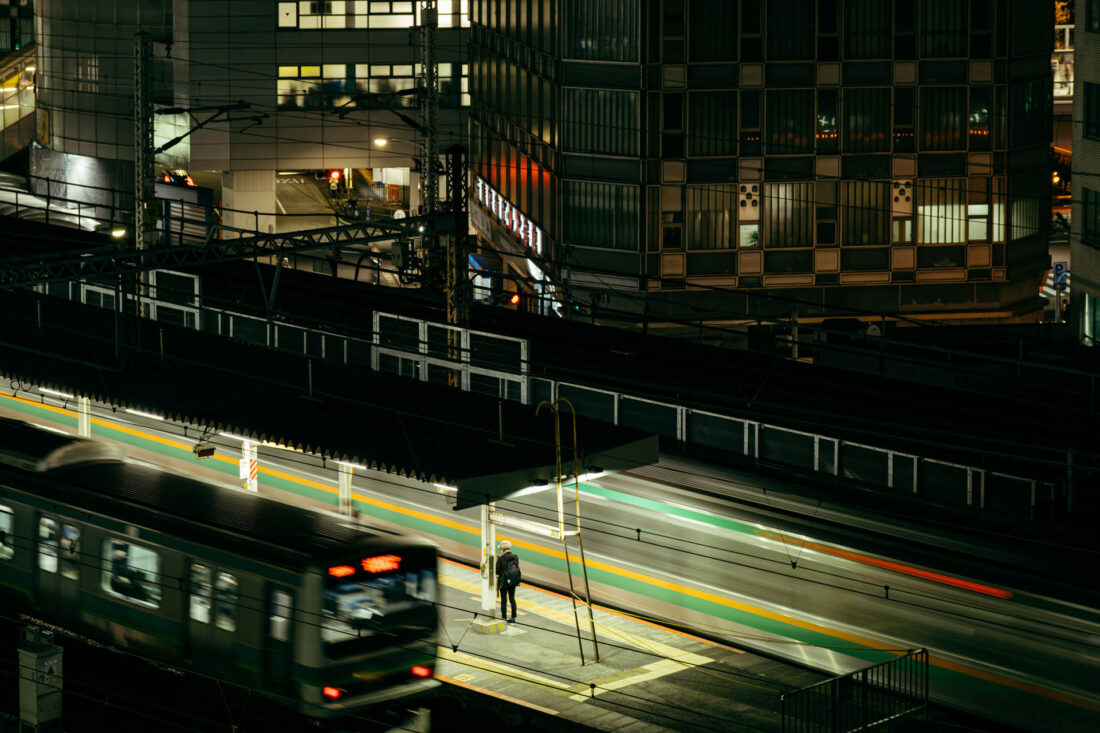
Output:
x=22 y=271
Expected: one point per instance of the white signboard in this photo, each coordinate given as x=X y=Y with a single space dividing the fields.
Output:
x=510 y=216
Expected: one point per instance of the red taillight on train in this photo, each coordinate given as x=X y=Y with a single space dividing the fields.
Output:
x=421 y=671
x=332 y=693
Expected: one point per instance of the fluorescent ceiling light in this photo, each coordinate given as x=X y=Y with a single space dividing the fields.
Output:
x=56 y=393
x=350 y=465
x=139 y=413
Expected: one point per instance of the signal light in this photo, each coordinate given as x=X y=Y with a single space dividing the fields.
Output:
x=334 y=174
x=332 y=693
x=514 y=300
x=421 y=671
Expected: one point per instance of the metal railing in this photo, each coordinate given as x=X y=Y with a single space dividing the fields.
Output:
x=869 y=699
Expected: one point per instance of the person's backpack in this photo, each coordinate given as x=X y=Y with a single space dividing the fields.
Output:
x=512 y=575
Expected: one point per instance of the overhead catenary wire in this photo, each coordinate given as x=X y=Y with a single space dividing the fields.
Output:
x=717 y=553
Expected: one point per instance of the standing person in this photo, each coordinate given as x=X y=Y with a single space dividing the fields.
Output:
x=508 y=579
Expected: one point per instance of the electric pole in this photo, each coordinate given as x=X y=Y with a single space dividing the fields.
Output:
x=145 y=215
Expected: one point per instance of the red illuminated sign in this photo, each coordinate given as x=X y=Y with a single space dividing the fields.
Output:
x=381 y=563
x=341 y=571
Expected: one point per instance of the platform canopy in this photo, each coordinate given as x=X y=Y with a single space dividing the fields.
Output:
x=486 y=447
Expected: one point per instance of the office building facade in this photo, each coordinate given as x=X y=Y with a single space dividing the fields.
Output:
x=269 y=86
x=1085 y=220
x=731 y=160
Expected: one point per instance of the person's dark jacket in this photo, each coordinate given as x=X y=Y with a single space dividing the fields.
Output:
x=503 y=562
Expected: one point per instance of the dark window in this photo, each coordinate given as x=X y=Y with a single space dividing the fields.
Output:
x=1030 y=110
x=600 y=121
x=790 y=30
x=7 y=540
x=790 y=121
x=865 y=212
x=866 y=120
x=600 y=30
x=826 y=212
x=600 y=214
x=943 y=28
x=131 y=572
x=1092 y=107
x=943 y=118
x=672 y=111
x=226 y=590
x=711 y=215
x=47 y=544
x=903 y=119
x=201 y=587
x=713 y=30
x=867 y=26
x=1090 y=209
x=712 y=123
x=826 y=121
x=1092 y=22
x=70 y=551
x=750 y=123
x=981 y=100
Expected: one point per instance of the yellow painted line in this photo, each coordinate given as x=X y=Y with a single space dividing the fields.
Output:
x=630 y=574
x=679 y=656
x=653 y=671
x=498 y=695
x=522 y=675
x=32 y=403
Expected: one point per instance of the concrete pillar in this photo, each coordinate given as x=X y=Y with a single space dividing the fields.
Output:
x=489 y=603
x=345 y=473
x=248 y=200
x=83 y=417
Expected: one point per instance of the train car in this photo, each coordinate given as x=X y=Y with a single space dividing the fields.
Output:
x=311 y=610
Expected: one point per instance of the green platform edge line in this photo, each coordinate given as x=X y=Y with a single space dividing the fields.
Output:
x=938 y=675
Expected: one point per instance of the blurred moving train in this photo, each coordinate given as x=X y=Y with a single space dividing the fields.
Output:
x=315 y=612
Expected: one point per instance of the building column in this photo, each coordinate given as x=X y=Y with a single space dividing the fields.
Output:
x=248 y=200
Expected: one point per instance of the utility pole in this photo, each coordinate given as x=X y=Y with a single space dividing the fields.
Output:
x=145 y=215
x=427 y=83
x=145 y=204
x=456 y=287
x=428 y=97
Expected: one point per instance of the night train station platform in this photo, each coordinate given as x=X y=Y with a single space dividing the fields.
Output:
x=648 y=678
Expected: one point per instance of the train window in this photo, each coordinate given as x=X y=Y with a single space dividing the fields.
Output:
x=47 y=544
x=7 y=522
x=225 y=602
x=131 y=572
x=200 y=593
x=280 y=615
x=375 y=595
x=70 y=551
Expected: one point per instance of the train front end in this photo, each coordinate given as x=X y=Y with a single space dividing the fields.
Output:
x=374 y=631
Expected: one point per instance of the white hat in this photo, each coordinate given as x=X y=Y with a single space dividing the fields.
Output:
x=505 y=545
